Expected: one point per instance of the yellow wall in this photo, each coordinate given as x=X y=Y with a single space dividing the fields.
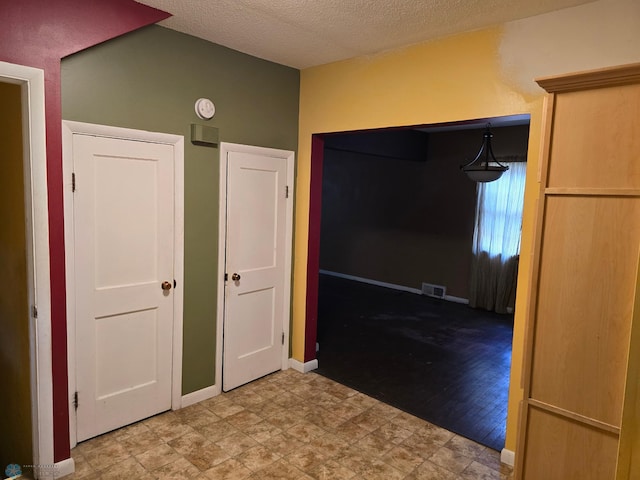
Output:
x=453 y=79
x=469 y=76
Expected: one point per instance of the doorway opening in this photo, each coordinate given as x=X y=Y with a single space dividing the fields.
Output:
x=25 y=305
x=398 y=213
x=14 y=304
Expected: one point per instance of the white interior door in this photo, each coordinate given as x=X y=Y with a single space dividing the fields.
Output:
x=256 y=266
x=123 y=234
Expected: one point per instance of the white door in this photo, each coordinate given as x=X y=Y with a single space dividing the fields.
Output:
x=123 y=233
x=256 y=267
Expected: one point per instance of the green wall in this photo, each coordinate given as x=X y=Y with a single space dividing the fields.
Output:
x=15 y=402
x=149 y=80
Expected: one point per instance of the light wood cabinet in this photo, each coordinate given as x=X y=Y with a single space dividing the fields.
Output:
x=579 y=415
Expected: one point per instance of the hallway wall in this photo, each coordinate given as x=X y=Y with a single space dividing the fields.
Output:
x=149 y=80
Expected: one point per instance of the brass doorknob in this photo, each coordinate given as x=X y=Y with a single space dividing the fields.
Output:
x=235 y=277
x=166 y=285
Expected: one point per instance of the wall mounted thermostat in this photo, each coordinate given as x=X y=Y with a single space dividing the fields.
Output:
x=204 y=135
x=205 y=109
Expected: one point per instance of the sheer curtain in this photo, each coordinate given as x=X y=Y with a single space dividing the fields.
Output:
x=496 y=240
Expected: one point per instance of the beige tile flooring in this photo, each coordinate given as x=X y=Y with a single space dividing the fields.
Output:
x=287 y=425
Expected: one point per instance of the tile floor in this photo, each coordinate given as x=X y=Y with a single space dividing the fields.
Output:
x=287 y=425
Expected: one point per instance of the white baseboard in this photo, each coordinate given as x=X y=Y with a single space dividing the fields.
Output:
x=372 y=282
x=417 y=291
x=451 y=298
x=199 y=395
x=62 y=468
x=508 y=457
x=303 y=367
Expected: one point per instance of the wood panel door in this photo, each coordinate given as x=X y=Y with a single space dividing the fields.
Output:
x=258 y=239
x=124 y=247
x=584 y=278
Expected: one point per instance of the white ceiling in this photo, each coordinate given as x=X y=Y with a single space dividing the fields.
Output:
x=305 y=33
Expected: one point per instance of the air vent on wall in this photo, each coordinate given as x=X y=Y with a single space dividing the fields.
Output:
x=436 y=291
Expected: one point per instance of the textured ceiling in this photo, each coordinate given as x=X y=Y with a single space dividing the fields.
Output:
x=305 y=33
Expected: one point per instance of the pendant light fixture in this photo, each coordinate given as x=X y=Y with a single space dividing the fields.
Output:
x=479 y=169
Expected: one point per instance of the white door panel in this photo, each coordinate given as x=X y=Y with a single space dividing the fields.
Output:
x=123 y=218
x=255 y=250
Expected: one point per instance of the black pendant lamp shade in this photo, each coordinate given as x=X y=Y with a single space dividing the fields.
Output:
x=479 y=169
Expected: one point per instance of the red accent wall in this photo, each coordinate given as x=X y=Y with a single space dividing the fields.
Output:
x=313 y=256
x=38 y=33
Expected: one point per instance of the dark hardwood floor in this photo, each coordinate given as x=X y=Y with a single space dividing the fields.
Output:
x=441 y=361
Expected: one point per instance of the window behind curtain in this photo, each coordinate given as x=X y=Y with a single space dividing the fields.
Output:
x=499 y=213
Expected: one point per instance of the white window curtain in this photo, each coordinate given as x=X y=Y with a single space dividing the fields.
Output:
x=496 y=239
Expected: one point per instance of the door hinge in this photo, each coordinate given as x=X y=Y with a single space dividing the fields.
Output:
x=73 y=182
x=286 y=191
x=75 y=400
x=283 y=338
x=34 y=311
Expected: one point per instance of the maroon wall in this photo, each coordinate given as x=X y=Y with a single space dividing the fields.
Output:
x=38 y=33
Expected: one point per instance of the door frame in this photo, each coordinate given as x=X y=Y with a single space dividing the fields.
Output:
x=31 y=81
x=69 y=128
x=289 y=156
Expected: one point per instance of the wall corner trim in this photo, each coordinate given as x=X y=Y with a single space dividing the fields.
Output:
x=64 y=467
x=508 y=457
x=303 y=367
x=199 y=395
